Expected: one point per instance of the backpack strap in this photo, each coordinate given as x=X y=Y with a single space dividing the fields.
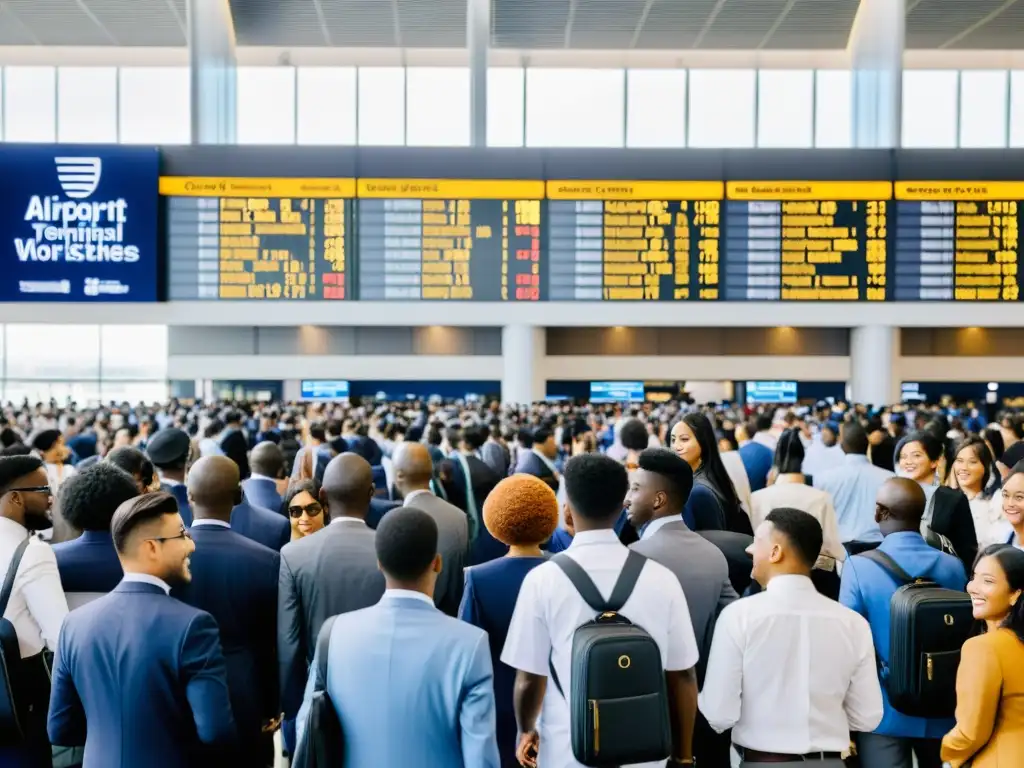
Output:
x=472 y=513
x=890 y=566
x=12 y=571
x=323 y=651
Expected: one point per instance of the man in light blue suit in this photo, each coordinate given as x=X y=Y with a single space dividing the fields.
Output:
x=411 y=686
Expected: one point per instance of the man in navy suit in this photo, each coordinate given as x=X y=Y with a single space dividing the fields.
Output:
x=138 y=677
x=235 y=580
x=267 y=464
x=88 y=565
x=540 y=460
x=170 y=450
x=261 y=525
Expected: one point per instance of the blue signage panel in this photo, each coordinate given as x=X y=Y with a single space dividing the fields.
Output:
x=616 y=391
x=318 y=389
x=771 y=391
x=78 y=223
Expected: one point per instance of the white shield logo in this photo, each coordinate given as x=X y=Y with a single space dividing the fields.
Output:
x=78 y=176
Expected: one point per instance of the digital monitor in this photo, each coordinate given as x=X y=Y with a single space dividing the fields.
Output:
x=616 y=391
x=771 y=392
x=319 y=389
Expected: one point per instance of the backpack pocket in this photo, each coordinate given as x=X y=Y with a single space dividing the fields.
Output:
x=625 y=730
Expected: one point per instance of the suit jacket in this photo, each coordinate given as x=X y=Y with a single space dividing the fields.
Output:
x=482 y=480
x=235 y=581
x=403 y=662
x=235 y=446
x=378 y=508
x=180 y=493
x=88 y=567
x=146 y=673
x=734 y=547
x=453 y=546
x=702 y=571
x=530 y=464
x=951 y=516
x=261 y=525
x=496 y=456
x=334 y=571
x=262 y=493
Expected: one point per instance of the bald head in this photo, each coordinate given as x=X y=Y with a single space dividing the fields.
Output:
x=267 y=459
x=213 y=487
x=900 y=505
x=413 y=467
x=347 y=486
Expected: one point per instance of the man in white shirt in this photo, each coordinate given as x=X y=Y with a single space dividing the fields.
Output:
x=37 y=605
x=549 y=610
x=791 y=672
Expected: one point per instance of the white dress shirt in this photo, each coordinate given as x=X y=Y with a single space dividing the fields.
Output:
x=37 y=606
x=210 y=522
x=733 y=463
x=791 y=671
x=786 y=492
x=549 y=610
x=258 y=476
x=347 y=520
x=145 y=578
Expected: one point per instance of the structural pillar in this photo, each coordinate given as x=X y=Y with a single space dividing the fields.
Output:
x=523 y=349
x=212 y=71
x=876 y=46
x=478 y=40
x=874 y=355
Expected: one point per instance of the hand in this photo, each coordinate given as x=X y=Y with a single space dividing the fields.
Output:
x=272 y=725
x=526 y=752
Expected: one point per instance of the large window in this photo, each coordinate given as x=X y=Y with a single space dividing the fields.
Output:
x=575 y=107
x=266 y=105
x=326 y=110
x=1017 y=109
x=381 y=106
x=722 y=107
x=656 y=108
x=506 y=106
x=984 y=108
x=154 y=106
x=785 y=108
x=833 y=113
x=437 y=107
x=30 y=112
x=87 y=105
x=930 y=114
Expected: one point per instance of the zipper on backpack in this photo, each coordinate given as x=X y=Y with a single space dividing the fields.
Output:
x=930 y=667
x=597 y=725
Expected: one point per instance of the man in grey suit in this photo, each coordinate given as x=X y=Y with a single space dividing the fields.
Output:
x=413 y=470
x=330 y=572
x=658 y=491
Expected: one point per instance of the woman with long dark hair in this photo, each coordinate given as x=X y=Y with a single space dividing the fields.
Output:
x=693 y=440
x=971 y=473
x=989 y=730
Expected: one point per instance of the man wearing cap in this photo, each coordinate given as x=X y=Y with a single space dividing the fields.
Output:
x=170 y=450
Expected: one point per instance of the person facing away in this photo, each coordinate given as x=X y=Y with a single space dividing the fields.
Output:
x=267 y=465
x=550 y=609
x=658 y=490
x=868 y=589
x=234 y=579
x=853 y=487
x=330 y=573
x=989 y=730
x=170 y=450
x=135 y=463
x=37 y=605
x=413 y=470
x=89 y=566
x=521 y=512
x=411 y=686
x=139 y=677
x=756 y=455
x=470 y=496
x=791 y=671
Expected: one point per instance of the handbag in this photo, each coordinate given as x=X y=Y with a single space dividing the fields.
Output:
x=12 y=730
x=323 y=742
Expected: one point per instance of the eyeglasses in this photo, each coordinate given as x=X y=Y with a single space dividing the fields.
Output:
x=184 y=534
x=32 y=489
x=312 y=510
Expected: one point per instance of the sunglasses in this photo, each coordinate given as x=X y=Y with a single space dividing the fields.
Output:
x=312 y=510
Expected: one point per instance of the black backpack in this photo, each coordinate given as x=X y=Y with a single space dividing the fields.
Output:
x=618 y=698
x=927 y=627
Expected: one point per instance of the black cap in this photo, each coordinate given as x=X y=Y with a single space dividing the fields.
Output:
x=45 y=440
x=168 y=447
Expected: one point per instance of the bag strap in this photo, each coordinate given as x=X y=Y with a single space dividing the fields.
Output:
x=471 y=510
x=323 y=650
x=888 y=565
x=12 y=571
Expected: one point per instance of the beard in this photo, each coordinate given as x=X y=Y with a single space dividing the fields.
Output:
x=180 y=576
x=38 y=521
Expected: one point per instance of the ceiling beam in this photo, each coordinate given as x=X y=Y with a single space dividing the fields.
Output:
x=92 y=17
x=397 y=21
x=569 y=22
x=708 y=23
x=640 y=23
x=6 y=9
x=320 y=17
x=978 y=24
x=776 y=24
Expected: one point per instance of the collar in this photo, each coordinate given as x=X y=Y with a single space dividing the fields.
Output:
x=414 y=494
x=145 y=578
x=347 y=519
x=407 y=594
x=256 y=476
x=655 y=525
x=792 y=584
x=550 y=464
x=788 y=480
x=169 y=482
x=587 y=538
x=898 y=537
x=210 y=522
x=855 y=458
x=96 y=536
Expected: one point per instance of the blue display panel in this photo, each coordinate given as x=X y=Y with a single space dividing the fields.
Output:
x=616 y=391
x=78 y=223
x=771 y=391
x=318 y=389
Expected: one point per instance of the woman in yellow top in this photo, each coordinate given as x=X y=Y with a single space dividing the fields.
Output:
x=989 y=730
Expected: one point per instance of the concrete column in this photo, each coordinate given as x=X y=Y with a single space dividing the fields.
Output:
x=212 y=70
x=478 y=39
x=874 y=354
x=523 y=348
x=876 y=58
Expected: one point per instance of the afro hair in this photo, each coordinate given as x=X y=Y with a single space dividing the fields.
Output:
x=522 y=510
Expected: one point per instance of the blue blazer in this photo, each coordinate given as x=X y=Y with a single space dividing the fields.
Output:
x=411 y=686
x=262 y=493
x=378 y=508
x=757 y=460
x=180 y=493
x=235 y=581
x=139 y=679
x=88 y=563
x=261 y=525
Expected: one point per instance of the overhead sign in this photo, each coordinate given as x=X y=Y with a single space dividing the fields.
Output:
x=78 y=223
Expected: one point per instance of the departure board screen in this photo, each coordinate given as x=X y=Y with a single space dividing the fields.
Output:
x=237 y=238
x=633 y=240
x=448 y=239
x=806 y=240
x=957 y=240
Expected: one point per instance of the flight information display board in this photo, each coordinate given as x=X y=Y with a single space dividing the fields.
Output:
x=633 y=240
x=449 y=239
x=957 y=240
x=806 y=240
x=239 y=238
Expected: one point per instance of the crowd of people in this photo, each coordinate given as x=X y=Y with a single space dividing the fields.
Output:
x=469 y=584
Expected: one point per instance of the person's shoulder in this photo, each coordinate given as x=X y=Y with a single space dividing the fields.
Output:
x=37 y=551
x=466 y=635
x=660 y=577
